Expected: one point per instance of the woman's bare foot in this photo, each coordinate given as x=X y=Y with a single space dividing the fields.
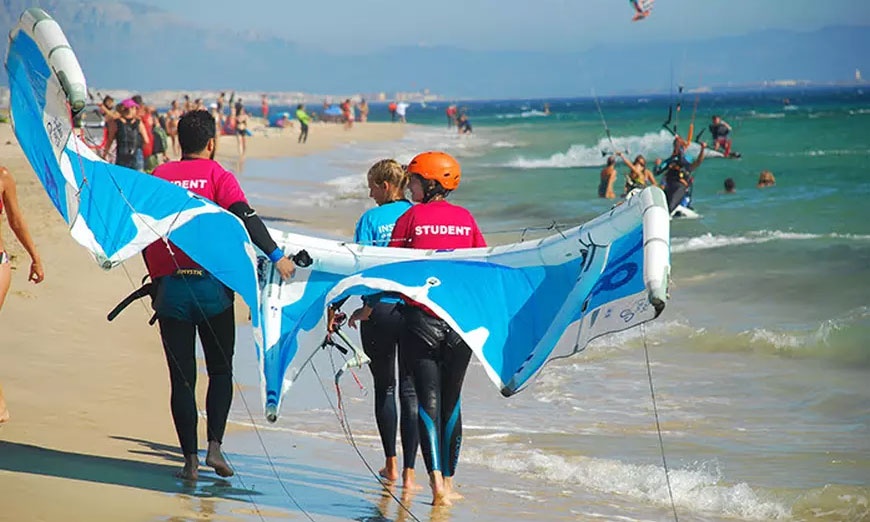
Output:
x=452 y=494
x=408 y=481
x=390 y=471
x=215 y=459
x=190 y=471
x=439 y=492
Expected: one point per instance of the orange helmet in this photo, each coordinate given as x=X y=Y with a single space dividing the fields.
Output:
x=438 y=166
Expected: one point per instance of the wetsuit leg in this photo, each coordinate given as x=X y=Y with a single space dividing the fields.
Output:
x=674 y=193
x=457 y=354
x=429 y=344
x=178 y=339
x=218 y=337
x=379 y=343
x=408 y=405
x=426 y=372
x=381 y=335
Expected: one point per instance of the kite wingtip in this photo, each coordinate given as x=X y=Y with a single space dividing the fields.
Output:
x=272 y=412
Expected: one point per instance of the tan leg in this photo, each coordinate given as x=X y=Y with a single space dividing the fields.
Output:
x=4 y=413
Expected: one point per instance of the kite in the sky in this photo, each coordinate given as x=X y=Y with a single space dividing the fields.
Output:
x=642 y=9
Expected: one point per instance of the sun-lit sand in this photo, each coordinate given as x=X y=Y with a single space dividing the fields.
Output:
x=90 y=435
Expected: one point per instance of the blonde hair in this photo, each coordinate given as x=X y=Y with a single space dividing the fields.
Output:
x=389 y=171
x=766 y=178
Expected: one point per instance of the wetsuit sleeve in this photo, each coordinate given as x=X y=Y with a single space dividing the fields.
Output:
x=257 y=230
x=401 y=232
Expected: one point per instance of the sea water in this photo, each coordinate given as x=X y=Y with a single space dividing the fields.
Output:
x=760 y=362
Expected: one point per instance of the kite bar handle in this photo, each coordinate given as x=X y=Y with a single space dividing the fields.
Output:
x=302 y=259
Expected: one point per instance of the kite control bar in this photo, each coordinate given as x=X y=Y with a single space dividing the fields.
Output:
x=358 y=359
x=302 y=259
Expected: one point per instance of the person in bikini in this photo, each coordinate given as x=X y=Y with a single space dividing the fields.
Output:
x=9 y=207
x=638 y=175
x=437 y=356
x=172 y=116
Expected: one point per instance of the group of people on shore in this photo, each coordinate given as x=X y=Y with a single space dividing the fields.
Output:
x=139 y=136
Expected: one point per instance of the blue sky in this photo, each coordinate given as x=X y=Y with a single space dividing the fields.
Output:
x=365 y=25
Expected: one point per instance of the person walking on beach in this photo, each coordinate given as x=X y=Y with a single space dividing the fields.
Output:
x=264 y=108
x=382 y=328
x=188 y=300
x=172 y=116
x=130 y=133
x=436 y=354
x=242 y=132
x=363 y=111
x=304 y=120
x=9 y=205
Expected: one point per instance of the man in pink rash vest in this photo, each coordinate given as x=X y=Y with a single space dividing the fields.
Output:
x=188 y=299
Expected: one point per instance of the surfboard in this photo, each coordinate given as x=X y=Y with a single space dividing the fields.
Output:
x=682 y=212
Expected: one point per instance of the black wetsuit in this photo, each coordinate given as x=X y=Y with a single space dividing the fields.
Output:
x=218 y=336
x=188 y=300
x=380 y=338
x=678 y=179
x=439 y=361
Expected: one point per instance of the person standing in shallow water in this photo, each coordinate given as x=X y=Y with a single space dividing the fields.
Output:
x=438 y=357
x=188 y=300
x=607 y=177
x=9 y=206
x=382 y=328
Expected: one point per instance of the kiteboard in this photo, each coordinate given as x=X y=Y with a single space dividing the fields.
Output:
x=682 y=212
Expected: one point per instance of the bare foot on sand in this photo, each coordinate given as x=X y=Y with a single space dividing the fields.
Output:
x=215 y=459
x=452 y=494
x=390 y=471
x=408 y=482
x=190 y=471
x=439 y=492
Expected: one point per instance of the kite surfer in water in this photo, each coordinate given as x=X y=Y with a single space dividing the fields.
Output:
x=642 y=9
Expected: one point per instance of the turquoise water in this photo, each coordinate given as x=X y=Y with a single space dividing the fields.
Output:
x=760 y=361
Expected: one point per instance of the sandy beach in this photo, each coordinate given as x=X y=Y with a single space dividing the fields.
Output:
x=90 y=435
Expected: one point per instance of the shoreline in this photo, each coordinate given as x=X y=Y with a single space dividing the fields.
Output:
x=90 y=435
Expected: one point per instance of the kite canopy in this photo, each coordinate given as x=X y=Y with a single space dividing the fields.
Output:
x=112 y=211
x=517 y=306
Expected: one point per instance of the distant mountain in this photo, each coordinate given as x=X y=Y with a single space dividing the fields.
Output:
x=133 y=46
